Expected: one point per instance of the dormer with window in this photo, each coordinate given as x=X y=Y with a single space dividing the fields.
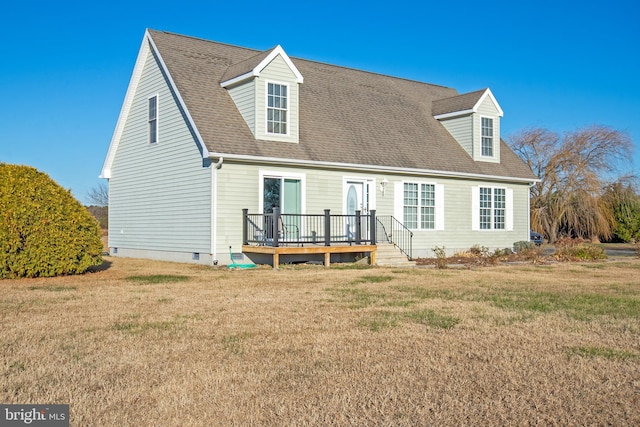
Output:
x=473 y=119
x=265 y=89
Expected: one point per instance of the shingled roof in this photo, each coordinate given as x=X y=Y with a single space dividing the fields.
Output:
x=346 y=116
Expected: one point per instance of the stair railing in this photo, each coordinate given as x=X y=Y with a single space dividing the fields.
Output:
x=389 y=229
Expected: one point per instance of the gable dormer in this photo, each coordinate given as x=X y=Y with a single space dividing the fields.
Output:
x=473 y=119
x=265 y=89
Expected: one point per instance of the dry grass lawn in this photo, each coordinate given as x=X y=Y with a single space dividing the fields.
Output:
x=152 y=343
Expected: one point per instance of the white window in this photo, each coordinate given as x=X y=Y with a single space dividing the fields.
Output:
x=277 y=108
x=153 y=119
x=419 y=206
x=493 y=208
x=487 y=136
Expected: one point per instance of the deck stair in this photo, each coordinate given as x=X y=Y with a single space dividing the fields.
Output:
x=388 y=255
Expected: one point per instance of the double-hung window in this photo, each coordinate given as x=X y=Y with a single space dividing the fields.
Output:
x=277 y=108
x=487 y=136
x=492 y=209
x=419 y=204
x=153 y=119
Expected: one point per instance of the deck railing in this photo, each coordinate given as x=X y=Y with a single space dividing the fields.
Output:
x=276 y=229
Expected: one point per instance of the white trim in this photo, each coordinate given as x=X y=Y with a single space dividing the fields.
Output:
x=453 y=114
x=508 y=220
x=126 y=106
x=251 y=74
x=264 y=173
x=439 y=211
x=475 y=208
x=493 y=137
x=438 y=207
x=278 y=50
x=266 y=108
x=508 y=208
x=487 y=93
x=157 y=119
x=371 y=168
x=398 y=200
x=145 y=49
x=214 y=212
x=369 y=188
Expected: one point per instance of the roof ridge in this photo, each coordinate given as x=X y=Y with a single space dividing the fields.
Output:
x=258 y=51
x=370 y=72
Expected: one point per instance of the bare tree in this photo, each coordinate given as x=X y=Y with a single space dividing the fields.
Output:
x=99 y=195
x=573 y=169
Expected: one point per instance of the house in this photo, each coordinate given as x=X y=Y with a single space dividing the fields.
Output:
x=208 y=129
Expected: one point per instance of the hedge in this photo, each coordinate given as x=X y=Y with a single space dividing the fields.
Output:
x=44 y=230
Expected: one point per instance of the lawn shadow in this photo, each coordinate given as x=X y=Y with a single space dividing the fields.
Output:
x=102 y=267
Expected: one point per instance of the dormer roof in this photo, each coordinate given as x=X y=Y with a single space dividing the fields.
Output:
x=349 y=119
x=252 y=67
x=465 y=103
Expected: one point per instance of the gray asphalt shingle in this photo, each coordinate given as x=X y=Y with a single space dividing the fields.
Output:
x=346 y=115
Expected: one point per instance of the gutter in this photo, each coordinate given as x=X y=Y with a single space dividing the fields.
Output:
x=214 y=210
x=371 y=168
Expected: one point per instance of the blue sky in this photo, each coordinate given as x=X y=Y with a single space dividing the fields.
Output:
x=65 y=66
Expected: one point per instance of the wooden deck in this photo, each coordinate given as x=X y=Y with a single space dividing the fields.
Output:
x=301 y=250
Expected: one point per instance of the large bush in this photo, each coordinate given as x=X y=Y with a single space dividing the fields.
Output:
x=44 y=230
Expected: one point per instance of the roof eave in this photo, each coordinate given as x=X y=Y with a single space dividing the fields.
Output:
x=453 y=114
x=370 y=168
x=239 y=79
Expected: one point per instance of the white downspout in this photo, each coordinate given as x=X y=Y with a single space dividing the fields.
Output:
x=214 y=210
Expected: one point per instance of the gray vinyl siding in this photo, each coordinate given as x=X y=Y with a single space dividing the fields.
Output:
x=159 y=194
x=238 y=188
x=458 y=234
x=277 y=72
x=244 y=96
x=487 y=109
x=461 y=128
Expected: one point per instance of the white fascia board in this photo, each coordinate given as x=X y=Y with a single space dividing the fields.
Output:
x=145 y=49
x=258 y=69
x=278 y=50
x=251 y=74
x=200 y=141
x=370 y=168
x=489 y=94
x=126 y=106
x=453 y=114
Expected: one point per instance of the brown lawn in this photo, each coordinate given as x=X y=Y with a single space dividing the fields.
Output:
x=152 y=343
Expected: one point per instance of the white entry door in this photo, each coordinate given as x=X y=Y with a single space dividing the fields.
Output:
x=356 y=198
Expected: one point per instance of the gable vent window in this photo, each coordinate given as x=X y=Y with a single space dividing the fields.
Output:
x=487 y=137
x=276 y=108
x=153 y=120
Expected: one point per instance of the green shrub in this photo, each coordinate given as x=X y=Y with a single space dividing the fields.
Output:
x=44 y=230
x=577 y=250
x=522 y=245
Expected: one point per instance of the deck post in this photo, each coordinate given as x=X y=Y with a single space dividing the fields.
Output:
x=372 y=226
x=276 y=223
x=358 y=227
x=245 y=235
x=327 y=227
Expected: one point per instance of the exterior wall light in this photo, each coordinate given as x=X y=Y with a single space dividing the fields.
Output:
x=383 y=185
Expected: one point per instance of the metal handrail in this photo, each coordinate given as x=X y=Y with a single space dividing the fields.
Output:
x=394 y=231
